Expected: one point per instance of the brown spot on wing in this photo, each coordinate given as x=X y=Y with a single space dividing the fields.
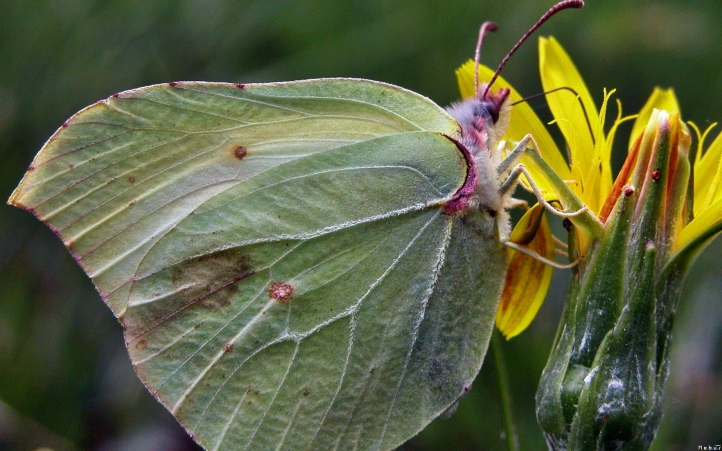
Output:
x=240 y=152
x=211 y=278
x=281 y=292
x=210 y=282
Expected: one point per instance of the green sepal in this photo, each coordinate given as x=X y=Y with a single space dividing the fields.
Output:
x=601 y=294
x=592 y=308
x=650 y=215
x=620 y=391
x=549 y=410
x=679 y=200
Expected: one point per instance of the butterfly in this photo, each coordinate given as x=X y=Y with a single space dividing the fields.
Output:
x=300 y=265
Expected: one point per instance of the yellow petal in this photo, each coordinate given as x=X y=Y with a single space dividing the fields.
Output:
x=465 y=79
x=661 y=99
x=523 y=121
x=597 y=180
x=527 y=279
x=708 y=177
x=606 y=167
x=710 y=218
x=558 y=71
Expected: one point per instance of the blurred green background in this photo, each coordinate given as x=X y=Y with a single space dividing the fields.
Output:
x=65 y=378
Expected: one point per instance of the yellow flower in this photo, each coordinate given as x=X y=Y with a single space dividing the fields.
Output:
x=587 y=172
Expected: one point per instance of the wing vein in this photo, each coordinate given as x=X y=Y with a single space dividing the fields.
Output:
x=376 y=283
x=225 y=325
x=275 y=394
x=435 y=277
x=77 y=182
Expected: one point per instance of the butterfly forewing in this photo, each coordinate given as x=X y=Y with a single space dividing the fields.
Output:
x=279 y=255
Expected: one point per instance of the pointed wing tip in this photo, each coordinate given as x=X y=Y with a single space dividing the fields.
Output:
x=15 y=201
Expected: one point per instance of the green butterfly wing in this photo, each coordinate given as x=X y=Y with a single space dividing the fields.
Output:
x=279 y=255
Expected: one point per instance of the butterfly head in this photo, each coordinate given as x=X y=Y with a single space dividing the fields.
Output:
x=492 y=103
x=483 y=120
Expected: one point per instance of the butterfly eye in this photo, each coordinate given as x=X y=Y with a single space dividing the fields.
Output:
x=491 y=109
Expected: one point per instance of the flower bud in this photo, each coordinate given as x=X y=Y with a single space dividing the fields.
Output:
x=602 y=387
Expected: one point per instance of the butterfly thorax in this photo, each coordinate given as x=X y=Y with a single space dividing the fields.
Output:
x=483 y=122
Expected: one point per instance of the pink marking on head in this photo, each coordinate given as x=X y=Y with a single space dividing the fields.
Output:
x=497 y=99
x=460 y=200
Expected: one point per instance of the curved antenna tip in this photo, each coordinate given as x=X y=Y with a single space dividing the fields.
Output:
x=562 y=5
x=486 y=27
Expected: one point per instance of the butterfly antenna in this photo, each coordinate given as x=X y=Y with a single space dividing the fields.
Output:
x=486 y=27
x=562 y=88
x=553 y=10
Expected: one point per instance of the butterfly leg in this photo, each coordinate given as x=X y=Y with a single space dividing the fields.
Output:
x=530 y=232
x=509 y=185
x=513 y=202
x=514 y=156
x=538 y=257
x=510 y=170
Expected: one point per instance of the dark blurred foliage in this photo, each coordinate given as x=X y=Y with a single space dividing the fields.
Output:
x=65 y=378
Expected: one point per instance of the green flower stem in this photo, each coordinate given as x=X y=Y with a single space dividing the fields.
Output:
x=502 y=375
